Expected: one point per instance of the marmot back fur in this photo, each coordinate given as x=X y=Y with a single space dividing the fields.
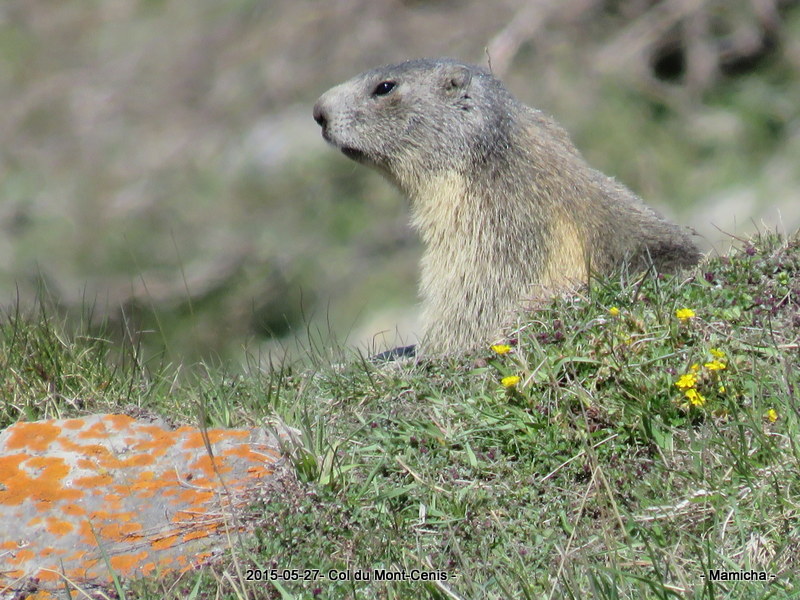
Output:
x=505 y=204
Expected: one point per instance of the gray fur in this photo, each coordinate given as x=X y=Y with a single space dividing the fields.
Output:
x=507 y=207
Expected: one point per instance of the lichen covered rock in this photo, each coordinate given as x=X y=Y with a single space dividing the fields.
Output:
x=78 y=496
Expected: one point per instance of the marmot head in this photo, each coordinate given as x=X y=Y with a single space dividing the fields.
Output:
x=410 y=119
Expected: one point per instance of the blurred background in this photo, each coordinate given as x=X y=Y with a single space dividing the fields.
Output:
x=161 y=175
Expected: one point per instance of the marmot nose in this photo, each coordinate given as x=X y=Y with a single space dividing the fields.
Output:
x=320 y=115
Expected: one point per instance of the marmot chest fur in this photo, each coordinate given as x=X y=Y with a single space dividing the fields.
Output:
x=507 y=208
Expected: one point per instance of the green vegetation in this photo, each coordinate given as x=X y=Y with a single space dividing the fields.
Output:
x=623 y=443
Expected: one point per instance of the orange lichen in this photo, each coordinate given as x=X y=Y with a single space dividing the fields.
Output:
x=91 y=450
x=35 y=437
x=77 y=555
x=87 y=534
x=194 y=535
x=243 y=452
x=93 y=480
x=146 y=486
x=195 y=440
x=85 y=569
x=119 y=531
x=9 y=465
x=259 y=472
x=45 y=487
x=14 y=573
x=113 y=501
x=58 y=526
x=159 y=440
x=137 y=460
x=100 y=515
x=20 y=556
x=105 y=426
x=137 y=490
x=124 y=563
x=48 y=575
x=120 y=422
x=164 y=564
x=165 y=542
x=207 y=466
x=97 y=430
x=73 y=510
x=193 y=497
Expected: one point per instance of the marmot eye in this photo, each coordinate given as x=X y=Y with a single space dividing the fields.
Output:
x=383 y=88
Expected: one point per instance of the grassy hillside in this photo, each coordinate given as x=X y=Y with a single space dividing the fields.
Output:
x=623 y=443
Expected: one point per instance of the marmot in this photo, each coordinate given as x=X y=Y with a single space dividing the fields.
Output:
x=506 y=206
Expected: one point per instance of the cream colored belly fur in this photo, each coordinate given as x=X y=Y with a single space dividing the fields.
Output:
x=476 y=272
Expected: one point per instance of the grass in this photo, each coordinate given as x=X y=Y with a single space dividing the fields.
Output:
x=593 y=476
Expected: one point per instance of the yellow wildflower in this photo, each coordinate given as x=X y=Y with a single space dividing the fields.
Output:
x=695 y=397
x=716 y=352
x=501 y=348
x=510 y=381
x=772 y=415
x=684 y=313
x=686 y=382
x=613 y=311
x=694 y=368
x=715 y=365
x=721 y=389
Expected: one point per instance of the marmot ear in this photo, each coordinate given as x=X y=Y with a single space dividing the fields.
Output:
x=455 y=78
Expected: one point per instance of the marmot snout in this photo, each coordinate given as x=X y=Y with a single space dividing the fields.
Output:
x=506 y=206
